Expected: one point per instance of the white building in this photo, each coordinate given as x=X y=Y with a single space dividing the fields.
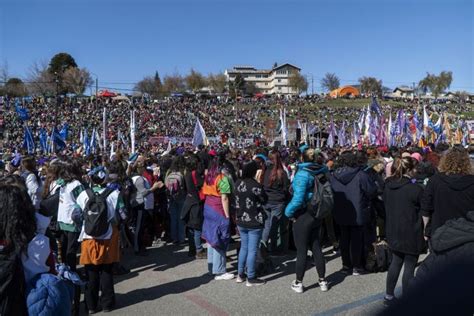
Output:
x=403 y=92
x=267 y=81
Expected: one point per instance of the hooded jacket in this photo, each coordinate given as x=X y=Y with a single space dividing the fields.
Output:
x=447 y=197
x=404 y=225
x=353 y=190
x=303 y=185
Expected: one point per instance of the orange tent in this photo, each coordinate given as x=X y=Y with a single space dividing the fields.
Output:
x=344 y=91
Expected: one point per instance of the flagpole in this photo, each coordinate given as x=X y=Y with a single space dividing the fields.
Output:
x=104 y=127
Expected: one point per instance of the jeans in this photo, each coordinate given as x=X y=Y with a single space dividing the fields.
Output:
x=194 y=239
x=352 y=246
x=306 y=233
x=274 y=230
x=216 y=260
x=398 y=260
x=100 y=277
x=177 y=225
x=249 y=242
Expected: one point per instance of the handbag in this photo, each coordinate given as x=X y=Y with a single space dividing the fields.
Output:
x=49 y=205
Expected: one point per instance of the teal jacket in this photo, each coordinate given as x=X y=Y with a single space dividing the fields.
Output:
x=303 y=185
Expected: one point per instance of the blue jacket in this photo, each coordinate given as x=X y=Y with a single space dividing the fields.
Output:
x=49 y=295
x=303 y=186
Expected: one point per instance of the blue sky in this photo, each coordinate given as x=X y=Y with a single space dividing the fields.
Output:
x=122 y=41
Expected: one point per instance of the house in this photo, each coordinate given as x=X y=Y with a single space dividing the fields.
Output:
x=403 y=92
x=267 y=81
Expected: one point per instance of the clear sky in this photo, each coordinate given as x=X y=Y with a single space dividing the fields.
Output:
x=121 y=41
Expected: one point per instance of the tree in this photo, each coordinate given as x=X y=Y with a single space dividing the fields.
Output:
x=195 y=80
x=217 y=82
x=60 y=63
x=173 y=83
x=15 y=88
x=370 y=85
x=157 y=79
x=41 y=81
x=436 y=84
x=76 y=80
x=330 y=82
x=250 y=88
x=298 y=82
x=3 y=78
x=237 y=86
x=151 y=86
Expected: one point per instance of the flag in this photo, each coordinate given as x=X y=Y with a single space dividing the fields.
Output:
x=93 y=141
x=21 y=111
x=168 y=149
x=104 y=129
x=375 y=107
x=43 y=137
x=86 y=143
x=199 y=136
x=368 y=123
x=64 y=131
x=341 y=137
x=112 y=150
x=438 y=126
x=331 y=137
x=29 y=142
x=57 y=140
x=427 y=125
x=132 y=130
x=283 y=128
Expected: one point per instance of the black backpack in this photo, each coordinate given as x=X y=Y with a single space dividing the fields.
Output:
x=322 y=202
x=96 y=215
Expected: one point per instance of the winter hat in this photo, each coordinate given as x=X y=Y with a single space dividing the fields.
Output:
x=417 y=156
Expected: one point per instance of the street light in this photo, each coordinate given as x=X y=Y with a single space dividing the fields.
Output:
x=312 y=83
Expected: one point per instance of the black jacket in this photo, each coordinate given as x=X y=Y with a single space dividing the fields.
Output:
x=447 y=197
x=277 y=192
x=249 y=200
x=192 y=211
x=404 y=225
x=353 y=190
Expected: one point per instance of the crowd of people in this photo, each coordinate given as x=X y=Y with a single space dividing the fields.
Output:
x=264 y=201
x=245 y=119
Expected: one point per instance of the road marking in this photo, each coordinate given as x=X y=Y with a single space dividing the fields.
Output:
x=352 y=305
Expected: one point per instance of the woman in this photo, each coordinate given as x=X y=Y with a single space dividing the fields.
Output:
x=216 y=225
x=193 y=207
x=141 y=196
x=276 y=184
x=17 y=229
x=353 y=192
x=177 y=194
x=449 y=194
x=249 y=200
x=98 y=254
x=32 y=180
x=404 y=225
x=305 y=227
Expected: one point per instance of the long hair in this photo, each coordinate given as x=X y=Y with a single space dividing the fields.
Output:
x=213 y=171
x=29 y=164
x=455 y=161
x=277 y=172
x=52 y=174
x=17 y=217
x=249 y=169
x=403 y=167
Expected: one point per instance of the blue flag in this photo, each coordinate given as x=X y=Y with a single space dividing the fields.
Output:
x=64 y=131
x=29 y=142
x=43 y=137
x=57 y=140
x=375 y=107
x=22 y=112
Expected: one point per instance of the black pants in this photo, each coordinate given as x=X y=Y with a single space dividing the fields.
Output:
x=398 y=260
x=100 y=278
x=306 y=235
x=69 y=248
x=352 y=246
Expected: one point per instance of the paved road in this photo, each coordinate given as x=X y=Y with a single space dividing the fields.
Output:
x=167 y=282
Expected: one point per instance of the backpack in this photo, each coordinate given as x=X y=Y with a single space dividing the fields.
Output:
x=379 y=257
x=96 y=215
x=322 y=202
x=174 y=183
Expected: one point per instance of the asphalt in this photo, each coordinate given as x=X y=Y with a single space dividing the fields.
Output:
x=168 y=282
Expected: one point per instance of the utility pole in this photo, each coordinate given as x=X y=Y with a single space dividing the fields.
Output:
x=312 y=84
x=96 y=85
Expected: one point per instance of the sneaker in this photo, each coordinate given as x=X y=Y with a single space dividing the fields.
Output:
x=297 y=287
x=255 y=282
x=225 y=276
x=323 y=285
x=201 y=255
x=387 y=301
x=357 y=272
x=346 y=270
x=240 y=279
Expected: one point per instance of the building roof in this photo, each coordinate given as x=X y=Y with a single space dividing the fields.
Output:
x=403 y=89
x=285 y=64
